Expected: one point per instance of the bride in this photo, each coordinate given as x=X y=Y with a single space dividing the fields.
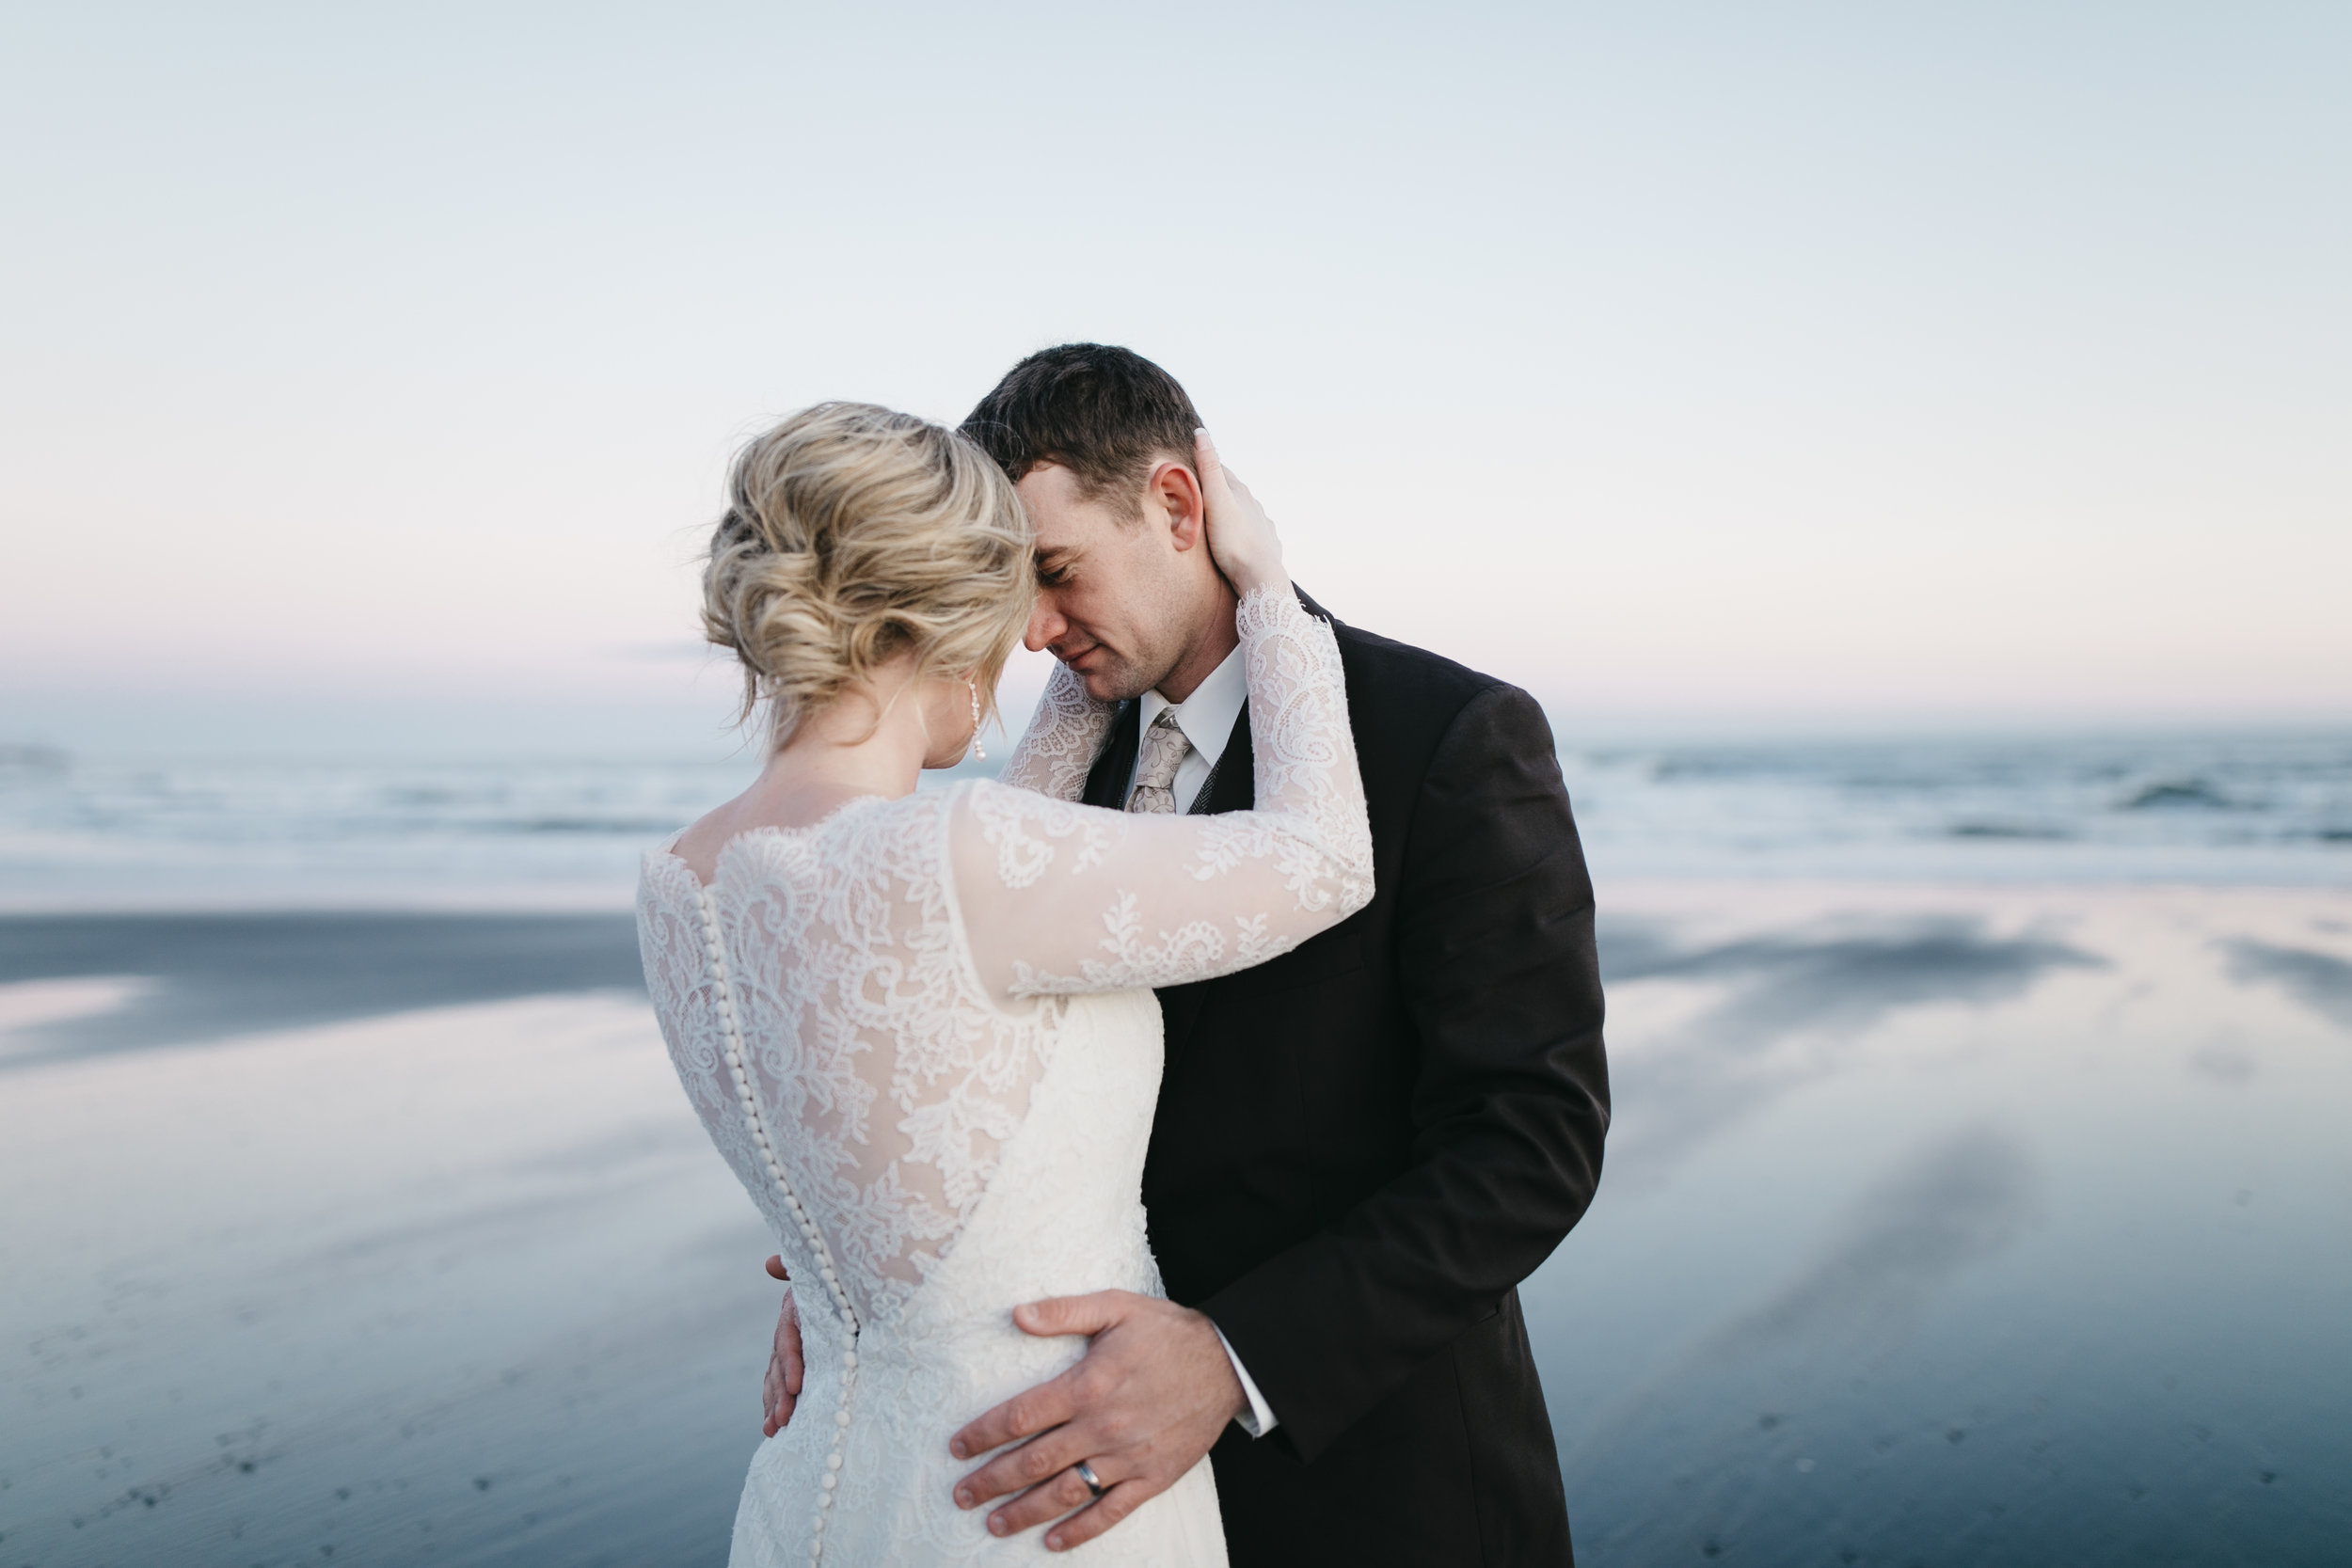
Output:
x=919 y=1024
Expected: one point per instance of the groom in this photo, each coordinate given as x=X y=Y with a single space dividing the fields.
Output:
x=1361 y=1148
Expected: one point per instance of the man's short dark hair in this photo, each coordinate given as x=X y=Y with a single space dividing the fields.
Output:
x=1106 y=414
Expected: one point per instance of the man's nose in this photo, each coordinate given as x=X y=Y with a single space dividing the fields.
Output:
x=1045 y=626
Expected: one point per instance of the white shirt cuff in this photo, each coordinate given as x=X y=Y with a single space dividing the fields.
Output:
x=1259 y=1418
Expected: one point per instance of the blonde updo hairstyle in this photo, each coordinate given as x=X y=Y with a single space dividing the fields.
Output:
x=855 y=534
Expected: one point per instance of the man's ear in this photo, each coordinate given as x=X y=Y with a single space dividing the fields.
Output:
x=1175 y=489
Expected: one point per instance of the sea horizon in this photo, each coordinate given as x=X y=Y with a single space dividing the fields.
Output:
x=564 y=829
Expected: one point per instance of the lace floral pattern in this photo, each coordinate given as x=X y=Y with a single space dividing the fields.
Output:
x=1065 y=735
x=869 y=1016
x=1091 y=900
x=861 y=1030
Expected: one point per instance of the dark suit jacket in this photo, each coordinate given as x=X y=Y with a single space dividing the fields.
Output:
x=1362 y=1146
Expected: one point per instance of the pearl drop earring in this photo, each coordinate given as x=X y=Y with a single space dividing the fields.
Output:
x=973 y=686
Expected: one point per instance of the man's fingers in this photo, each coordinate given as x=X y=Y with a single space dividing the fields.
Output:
x=775 y=1267
x=1089 y=1314
x=1145 y=1405
x=1018 y=1470
x=1057 y=1495
x=776 y=1401
x=1116 y=1503
x=1048 y=1405
x=780 y=1389
x=787 y=1348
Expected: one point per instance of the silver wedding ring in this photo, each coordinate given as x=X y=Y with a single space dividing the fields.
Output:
x=1094 y=1483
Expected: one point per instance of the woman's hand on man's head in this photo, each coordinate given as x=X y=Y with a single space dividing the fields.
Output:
x=1242 y=539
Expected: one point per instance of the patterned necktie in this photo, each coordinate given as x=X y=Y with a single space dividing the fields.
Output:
x=1164 y=748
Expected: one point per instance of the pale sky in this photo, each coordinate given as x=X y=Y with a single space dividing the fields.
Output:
x=1861 y=363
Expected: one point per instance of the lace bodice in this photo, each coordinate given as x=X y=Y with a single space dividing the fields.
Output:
x=866 y=1011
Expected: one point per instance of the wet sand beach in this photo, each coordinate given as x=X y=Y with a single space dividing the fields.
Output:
x=1949 y=1226
x=460 y=1282
x=1941 y=1225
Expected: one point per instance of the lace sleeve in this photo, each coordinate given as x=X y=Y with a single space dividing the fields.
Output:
x=1057 y=749
x=1058 y=897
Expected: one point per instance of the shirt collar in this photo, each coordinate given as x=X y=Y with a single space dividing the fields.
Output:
x=1207 y=716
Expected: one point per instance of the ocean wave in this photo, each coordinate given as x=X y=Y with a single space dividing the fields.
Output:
x=2211 y=808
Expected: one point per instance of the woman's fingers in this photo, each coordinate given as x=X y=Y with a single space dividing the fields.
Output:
x=1242 y=538
x=1204 y=457
x=1220 y=486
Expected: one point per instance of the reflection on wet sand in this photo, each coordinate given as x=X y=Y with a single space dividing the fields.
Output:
x=2321 y=981
x=210 y=976
x=1762 y=1015
x=1957 y=1202
x=1940 y=1226
x=1963 y=1225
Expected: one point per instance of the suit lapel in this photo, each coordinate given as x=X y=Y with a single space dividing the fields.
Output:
x=1231 y=784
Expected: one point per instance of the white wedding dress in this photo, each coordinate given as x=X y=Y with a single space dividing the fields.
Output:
x=922 y=1033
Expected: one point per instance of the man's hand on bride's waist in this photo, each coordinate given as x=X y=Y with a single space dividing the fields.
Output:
x=1152 y=1394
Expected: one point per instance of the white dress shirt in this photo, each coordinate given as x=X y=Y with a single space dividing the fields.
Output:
x=1207 y=719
